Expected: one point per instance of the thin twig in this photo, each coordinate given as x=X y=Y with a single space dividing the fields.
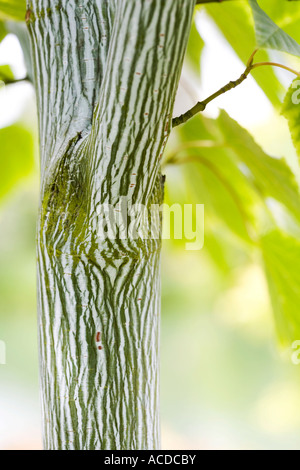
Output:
x=251 y=58
x=274 y=64
x=201 y=105
x=8 y=81
x=199 y=2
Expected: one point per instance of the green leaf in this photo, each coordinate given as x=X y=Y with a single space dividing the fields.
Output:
x=271 y=177
x=291 y=111
x=236 y=187
x=230 y=174
x=281 y=255
x=236 y=22
x=214 y=179
x=16 y=157
x=223 y=203
x=3 y=31
x=13 y=9
x=6 y=73
x=270 y=35
x=285 y=14
x=250 y=173
x=225 y=232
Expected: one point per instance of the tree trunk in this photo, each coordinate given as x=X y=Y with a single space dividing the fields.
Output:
x=106 y=75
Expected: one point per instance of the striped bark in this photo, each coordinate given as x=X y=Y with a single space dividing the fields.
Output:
x=106 y=75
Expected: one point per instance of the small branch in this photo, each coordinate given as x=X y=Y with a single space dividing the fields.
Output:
x=8 y=81
x=201 y=105
x=251 y=58
x=202 y=2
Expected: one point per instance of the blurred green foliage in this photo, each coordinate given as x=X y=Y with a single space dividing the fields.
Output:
x=16 y=157
x=291 y=110
x=242 y=187
x=2 y=30
x=269 y=35
x=6 y=73
x=13 y=9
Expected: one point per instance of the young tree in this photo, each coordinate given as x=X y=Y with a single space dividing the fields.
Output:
x=106 y=73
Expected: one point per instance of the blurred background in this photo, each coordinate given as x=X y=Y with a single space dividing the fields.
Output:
x=226 y=383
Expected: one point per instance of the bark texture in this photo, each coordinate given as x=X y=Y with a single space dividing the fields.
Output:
x=106 y=75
